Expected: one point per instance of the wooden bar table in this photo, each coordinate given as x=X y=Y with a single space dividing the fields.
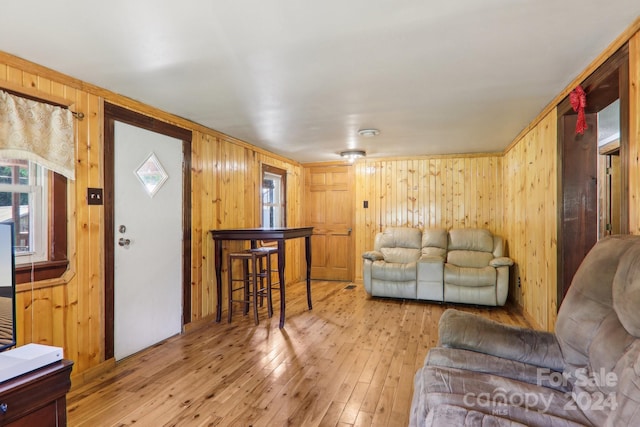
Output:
x=253 y=235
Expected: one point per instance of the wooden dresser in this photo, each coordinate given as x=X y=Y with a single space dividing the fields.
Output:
x=37 y=398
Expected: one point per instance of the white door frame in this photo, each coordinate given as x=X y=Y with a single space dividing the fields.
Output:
x=114 y=113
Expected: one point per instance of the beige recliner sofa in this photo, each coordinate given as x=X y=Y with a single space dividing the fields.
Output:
x=465 y=265
x=586 y=374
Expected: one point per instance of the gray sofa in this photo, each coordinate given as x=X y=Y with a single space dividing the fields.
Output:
x=586 y=373
x=465 y=265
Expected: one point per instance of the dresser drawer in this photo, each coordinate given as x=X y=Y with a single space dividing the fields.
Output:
x=37 y=398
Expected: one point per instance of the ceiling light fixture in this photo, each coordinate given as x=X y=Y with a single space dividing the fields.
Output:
x=352 y=155
x=368 y=133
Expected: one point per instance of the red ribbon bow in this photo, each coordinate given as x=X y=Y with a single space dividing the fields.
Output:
x=578 y=100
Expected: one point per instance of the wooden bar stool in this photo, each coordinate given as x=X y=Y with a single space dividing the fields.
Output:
x=252 y=276
x=267 y=270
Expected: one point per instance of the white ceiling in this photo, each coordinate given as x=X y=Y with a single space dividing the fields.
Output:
x=300 y=77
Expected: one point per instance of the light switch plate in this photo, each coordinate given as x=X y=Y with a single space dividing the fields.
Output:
x=94 y=196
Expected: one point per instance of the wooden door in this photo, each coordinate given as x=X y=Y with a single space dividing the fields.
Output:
x=329 y=209
x=579 y=194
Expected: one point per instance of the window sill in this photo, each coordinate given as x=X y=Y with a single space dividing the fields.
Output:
x=40 y=271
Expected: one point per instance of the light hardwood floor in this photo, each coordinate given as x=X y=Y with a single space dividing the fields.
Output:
x=348 y=362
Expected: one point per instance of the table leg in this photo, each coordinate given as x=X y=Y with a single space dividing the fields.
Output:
x=218 y=267
x=281 y=278
x=307 y=253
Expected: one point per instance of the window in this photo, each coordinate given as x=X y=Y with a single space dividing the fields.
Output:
x=22 y=197
x=274 y=185
x=34 y=199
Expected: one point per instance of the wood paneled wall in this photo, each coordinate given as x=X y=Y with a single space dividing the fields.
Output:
x=530 y=221
x=531 y=193
x=226 y=183
x=226 y=179
x=439 y=191
x=68 y=312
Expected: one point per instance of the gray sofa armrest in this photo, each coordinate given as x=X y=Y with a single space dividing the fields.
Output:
x=373 y=256
x=501 y=261
x=458 y=329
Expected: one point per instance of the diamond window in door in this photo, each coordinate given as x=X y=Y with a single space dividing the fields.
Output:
x=151 y=174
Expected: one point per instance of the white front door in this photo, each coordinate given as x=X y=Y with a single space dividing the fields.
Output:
x=148 y=238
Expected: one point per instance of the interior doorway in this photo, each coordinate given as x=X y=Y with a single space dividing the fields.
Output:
x=609 y=171
x=113 y=114
x=593 y=167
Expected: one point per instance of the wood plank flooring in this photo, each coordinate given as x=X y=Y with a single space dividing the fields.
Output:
x=348 y=362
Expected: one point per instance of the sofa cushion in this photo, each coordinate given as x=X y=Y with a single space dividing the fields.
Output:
x=393 y=289
x=471 y=239
x=475 y=277
x=473 y=259
x=400 y=255
x=394 y=272
x=399 y=237
x=434 y=241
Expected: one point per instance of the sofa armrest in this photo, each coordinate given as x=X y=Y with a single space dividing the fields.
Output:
x=501 y=261
x=458 y=329
x=373 y=256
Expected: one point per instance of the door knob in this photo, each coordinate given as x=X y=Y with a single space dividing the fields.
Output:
x=124 y=242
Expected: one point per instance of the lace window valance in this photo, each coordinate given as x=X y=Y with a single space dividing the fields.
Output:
x=36 y=131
